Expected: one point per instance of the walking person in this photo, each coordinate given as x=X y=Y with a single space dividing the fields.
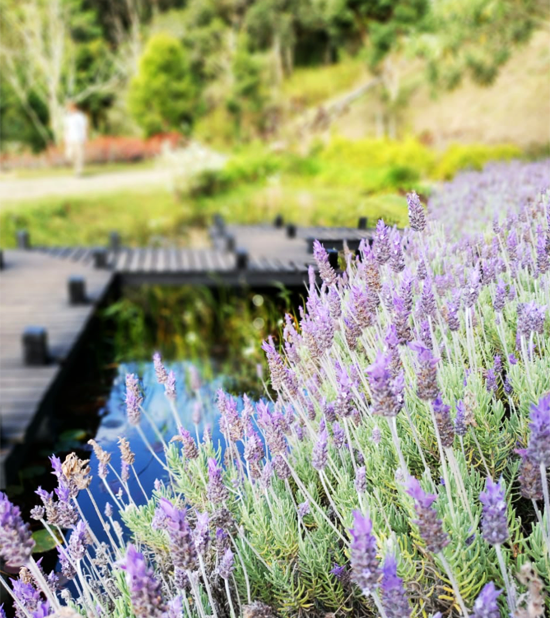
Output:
x=76 y=134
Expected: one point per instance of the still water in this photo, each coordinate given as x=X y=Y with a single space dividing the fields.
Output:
x=195 y=402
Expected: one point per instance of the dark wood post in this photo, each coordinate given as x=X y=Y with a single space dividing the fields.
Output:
x=23 y=239
x=363 y=223
x=77 y=290
x=100 y=257
x=114 y=241
x=333 y=258
x=229 y=242
x=241 y=258
x=278 y=221
x=291 y=230
x=35 y=346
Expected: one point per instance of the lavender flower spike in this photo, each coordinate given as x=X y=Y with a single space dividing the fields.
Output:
x=417 y=215
x=145 y=590
x=364 y=563
x=160 y=369
x=539 y=424
x=387 y=399
x=485 y=605
x=320 y=451
x=494 y=523
x=430 y=527
x=182 y=545
x=394 y=598
x=217 y=491
x=328 y=275
x=134 y=399
x=16 y=543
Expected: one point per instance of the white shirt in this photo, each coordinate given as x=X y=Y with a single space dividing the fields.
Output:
x=75 y=124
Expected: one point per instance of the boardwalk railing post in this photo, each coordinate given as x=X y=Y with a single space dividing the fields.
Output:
x=1 y=259
x=219 y=224
x=23 y=239
x=229 y=242
x=241 y=258
x=100 y=257
x=278 y=221
x=35 y=346
x=114 y=241
x=77 y=290
x=291 y=230
x=333 y=258
x=363 y=223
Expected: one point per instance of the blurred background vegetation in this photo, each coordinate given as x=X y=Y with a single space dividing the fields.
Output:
x=322 y=110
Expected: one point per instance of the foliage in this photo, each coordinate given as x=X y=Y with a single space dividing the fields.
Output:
x=413 y=422
x=164 y=95
x=472 y=156
x=217 y=329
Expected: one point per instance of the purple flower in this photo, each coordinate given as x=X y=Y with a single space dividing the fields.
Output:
x=417 y=215
x=27 y=595
x=382 y=242
x=394 y=597
x=494 y=523
x=326 y=271
x=16 y=543
x=225 y=567
x=190 y=449
x=182 y=546
x=401 y=320
x=253 y=447
x=339 y=572
x=539 y=424
x=319 y=454
x=273 y=425
x=303 y=509
x=485 y=605
x=217 y=491
x=42 y=611
x=427 y=303
x=361 y=480
x=144 y=589
x=387 y=392
x=202 y=532
x=230 y=421
x=134 y=399
x=78 y=542
x=427 y=387
x=397 y=259
x=460 y=419
x=170 y=386
x=443 y=422
x=364 y=563
x=430 y=527
x=338 y=436
x=160 y=369
x=530 y=478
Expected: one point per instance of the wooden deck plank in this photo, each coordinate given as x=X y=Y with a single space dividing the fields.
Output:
x=33 y=291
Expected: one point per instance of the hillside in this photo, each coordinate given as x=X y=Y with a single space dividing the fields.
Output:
x=516 y=108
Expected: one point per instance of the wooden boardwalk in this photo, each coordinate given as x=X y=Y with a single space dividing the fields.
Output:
x=34 y=292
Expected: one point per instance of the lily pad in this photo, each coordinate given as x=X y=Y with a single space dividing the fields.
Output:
x=45 y=541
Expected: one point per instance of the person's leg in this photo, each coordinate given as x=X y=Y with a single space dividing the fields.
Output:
x=79 y=159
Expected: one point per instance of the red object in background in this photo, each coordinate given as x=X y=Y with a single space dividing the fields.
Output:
x=103 y=149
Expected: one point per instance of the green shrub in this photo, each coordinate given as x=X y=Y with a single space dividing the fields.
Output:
x=472 y=156
x=164 y=94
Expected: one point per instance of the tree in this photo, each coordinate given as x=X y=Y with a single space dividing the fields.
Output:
x=42 y=53
x=164 y=94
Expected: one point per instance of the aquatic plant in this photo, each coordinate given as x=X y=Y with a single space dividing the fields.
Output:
x=400 y=470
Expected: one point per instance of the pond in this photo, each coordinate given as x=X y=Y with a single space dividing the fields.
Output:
x=197 y=413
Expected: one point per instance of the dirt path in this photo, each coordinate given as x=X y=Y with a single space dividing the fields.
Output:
x=21 y=189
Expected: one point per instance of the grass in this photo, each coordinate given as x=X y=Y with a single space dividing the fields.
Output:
x=313 y=85
x=155 y=216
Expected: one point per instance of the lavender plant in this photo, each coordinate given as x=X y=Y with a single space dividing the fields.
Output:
x=397 y=467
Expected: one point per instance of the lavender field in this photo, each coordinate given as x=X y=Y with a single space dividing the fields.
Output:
x=396 y=467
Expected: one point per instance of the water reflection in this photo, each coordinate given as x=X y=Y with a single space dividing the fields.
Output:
x=196 y=408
